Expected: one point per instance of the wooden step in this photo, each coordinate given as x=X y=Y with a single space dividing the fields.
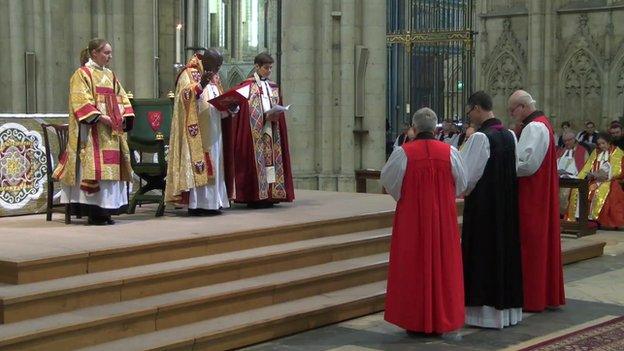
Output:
x=21 y=302
x=28 y=270
x=261 y=324
x=575 y=250
x=110 y=322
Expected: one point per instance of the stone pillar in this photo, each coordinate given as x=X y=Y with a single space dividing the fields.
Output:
x=374 y=38
x=202 y=23
x=143 y=49
x=346 y=74
x=99 y=18
x=325 y=114
x=235 y=42
x=535 y=52
x=189 y=28
x=118 y=40
x=18 y=48
x=301 y=85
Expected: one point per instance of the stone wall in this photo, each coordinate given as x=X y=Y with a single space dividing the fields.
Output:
x=568 y=54
x=329 y=135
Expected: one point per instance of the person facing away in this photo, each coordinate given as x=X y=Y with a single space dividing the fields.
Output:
x=95 y=167
x=490 y=229
x=196 y=175
x=538 y=194
x=425 y=280
x=606 y=197
x=263 y=173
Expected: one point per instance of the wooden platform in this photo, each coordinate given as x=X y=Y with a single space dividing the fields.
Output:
x=212 y=283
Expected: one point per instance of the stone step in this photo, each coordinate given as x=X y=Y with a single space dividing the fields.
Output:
x=22 y=302
x=104 y=323
x=76 y=262
x=261 y=324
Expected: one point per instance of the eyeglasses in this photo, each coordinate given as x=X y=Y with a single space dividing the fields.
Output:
x=471 y=109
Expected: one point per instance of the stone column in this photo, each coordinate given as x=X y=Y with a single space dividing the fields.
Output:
x=346 y=75
x=202 y=23
x=143 y=49
x=325 y=97
x=118 y=40
x=374 y=38
x=299 y=80
x=18 y=48
x=535 y=52
x=549 y=99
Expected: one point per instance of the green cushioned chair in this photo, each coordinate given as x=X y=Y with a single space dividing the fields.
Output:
x=147 y=140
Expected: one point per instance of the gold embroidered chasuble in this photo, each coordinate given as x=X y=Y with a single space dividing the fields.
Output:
x=101 y=151
x=189 y=165
x=598 y=191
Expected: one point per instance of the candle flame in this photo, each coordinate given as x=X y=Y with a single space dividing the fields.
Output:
x=179 y=26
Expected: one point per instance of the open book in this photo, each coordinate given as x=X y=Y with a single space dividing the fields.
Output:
x=277 y=109
x=227 y=99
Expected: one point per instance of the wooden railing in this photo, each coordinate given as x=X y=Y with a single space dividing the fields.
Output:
x=581 y=226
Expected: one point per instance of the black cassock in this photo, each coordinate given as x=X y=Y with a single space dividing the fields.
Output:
x=490 y=234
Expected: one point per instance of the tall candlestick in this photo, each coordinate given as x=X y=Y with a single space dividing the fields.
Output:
x=178 y=43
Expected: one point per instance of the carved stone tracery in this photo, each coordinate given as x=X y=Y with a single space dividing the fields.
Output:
x=505 y=73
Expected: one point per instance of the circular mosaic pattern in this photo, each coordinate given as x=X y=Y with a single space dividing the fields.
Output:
x=22 y=166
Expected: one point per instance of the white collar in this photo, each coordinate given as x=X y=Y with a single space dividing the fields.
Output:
x=603 y=156
x=92 y=63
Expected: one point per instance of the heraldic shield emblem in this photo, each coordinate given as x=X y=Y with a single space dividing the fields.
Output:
x=154 y=119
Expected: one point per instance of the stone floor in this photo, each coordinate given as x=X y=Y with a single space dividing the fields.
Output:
x=594 y=289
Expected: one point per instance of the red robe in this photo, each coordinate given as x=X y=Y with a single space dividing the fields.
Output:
x=425 y=278
x=538 y=195
x=254 y=150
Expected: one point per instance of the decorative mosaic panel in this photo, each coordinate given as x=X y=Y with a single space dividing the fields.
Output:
x=23 y=173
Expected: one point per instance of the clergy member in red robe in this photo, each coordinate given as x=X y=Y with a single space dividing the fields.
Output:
x=538 y=195
x=425 y=280
x=571 y=157
x=262 y=161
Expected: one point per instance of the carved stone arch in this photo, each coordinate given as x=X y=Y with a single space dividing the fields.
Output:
x=581 y=78
x=616 y=85
x=581 y=75
x=581 y=88
x=235 y=77
x=504 y=75
x=505 y=67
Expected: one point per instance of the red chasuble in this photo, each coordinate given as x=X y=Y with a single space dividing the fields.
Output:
x=255 y=150
x=425 y=279
x=538 y=195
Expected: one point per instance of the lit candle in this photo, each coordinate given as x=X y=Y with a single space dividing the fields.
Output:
x=178 y=42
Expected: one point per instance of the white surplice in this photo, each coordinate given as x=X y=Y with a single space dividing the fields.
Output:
x=113 y=194
x=393 y=172
x=212 y=196
x=532 y=148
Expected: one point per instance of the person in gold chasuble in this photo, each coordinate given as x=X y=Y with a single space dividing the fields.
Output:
x=95 y=166
x=197 y=176
x=606 y=197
